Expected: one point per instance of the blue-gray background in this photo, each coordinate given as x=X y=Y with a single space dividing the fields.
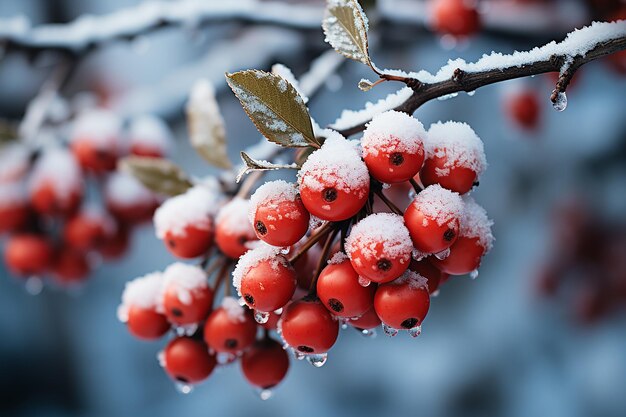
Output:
x=489 y=347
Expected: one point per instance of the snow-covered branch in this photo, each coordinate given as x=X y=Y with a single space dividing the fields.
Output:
x=88 y=32
x=579 y=47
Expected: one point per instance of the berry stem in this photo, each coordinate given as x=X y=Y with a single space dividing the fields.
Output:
x=322 y=260
x=416 y=186
x=248 y=183
x=221 y=275
x=388 y=202
x=323 y=231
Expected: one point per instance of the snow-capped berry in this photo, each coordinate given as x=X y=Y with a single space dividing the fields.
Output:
x=116 y=245
x=455 y=17
x=14 y=161
x=138 y=310
x=277 y=214
x=524 y=108
x=403 y=303
x=264 y=278
x=55 y=185
x=393 y=146
x=95 y=140
x=13 y=206
x=186 y=297
x=367 y=321
x=334 y=181
x=455 y=157
x=265 y=364
x=426 y=269
x=233 y=231
x=339 y=290
x=474 y=241
x=127 y=199
x=379 y=247
x=433 y=219
x=149 y=137
x=28 y=254
x=70 y=266
x=231 y=328
x=89 y=229
x=185 y=222
x=188 y=361
x=308 y=327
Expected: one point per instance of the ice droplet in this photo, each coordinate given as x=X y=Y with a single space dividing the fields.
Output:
x=278 y=311
x=298 y=355
x=389 y=331
x=435 y=293
x=386 y=186
x=474 y=274
x=371 y=333
x=186 y=330
x=183 y=388
x=415 y=331
x=285 y=250
x=447 y=96
x=471 y=93
x=443 y=254
x=364 y=282
x=241 y=302
x=265 y=394
x=561 y=101
x=418 y=256
x=34 y=285
x=365 y=85
x=344 y=324
x=318 y=360
x=161 y=358
x=261 y=317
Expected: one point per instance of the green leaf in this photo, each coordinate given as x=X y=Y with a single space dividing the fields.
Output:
x=275 y=107
x=257 y=165
x=206 y=125
x=345 y=26
x=157 y=174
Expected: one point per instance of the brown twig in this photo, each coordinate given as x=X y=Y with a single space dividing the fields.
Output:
x=415 y=185
x=323 y=231
x=388 y=202
x=322 y=260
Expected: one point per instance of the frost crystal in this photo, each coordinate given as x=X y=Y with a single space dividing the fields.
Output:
x=476 y=224
x=381 y=235
x=143 y=292
x=270 y=194
x=183 y=279
x=253 y=257
x=393 y=131
x=233 y=309
x=459 y=144
x=439 y=204
x=351 y=118
x=233 y=217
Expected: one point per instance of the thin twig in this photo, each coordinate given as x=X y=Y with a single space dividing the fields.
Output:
x=416 y=186
x=321 y=232
x=388 y=202
x=322 y=260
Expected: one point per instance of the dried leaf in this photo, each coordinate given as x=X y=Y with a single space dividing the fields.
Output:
x=345 y=26
x=256 y=165
x=275 y=107
x=206 y=125
x=157 y=174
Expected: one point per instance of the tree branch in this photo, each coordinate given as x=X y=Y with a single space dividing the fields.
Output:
x=470 y=80
x=89 y=32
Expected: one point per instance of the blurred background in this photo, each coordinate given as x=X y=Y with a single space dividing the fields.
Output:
x=540 y=331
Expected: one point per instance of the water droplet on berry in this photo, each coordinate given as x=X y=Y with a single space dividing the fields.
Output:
x=344 y=324
x=443 y=254
x=415 y=331
x=435 y=293
x=183 y=388
x=370 y=333
x=474 y=274
x=224 y=358
x=261 y=317
x=317 y=359
x=34 y=285
x=418 y=256
x=298 y=355
x=364 y=282
x=265 y=394
x=560 y=103
x=386 y=186
x=285 y=250
x=241 y=302
x=161 y=358
x=278 y=311
x=186 y=330
x=389 y=331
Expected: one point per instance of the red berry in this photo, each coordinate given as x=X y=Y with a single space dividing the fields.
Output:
x=334 y=181
x=116 y=245
x=455 y=157
x=45 y=200
x=230 y=328
x=147 y=323
x=367 y=321
x=277 y=214
x=233 y=230
x=88 y=230
x=455 y=17
x=339 y=290
x=191 y=243
x=433 y=219
x=28 y=254
x=149 y=137
x=14 y=209
x=524 y=109
x=379 y=247
x=139 y=307
x=393 y=147
x=128 y=200
x=308 y=327
x=70 y=266
x=272 y=321
x=426 y=269
x=474 y=240
x=265 y=279
x=95 y=140
x=188 y=360
x=265 y=364
x=403 y=303
x=187 y=298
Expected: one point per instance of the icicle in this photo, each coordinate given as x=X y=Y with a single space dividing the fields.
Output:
x=261 y=317
x=317 y=360
x=389 y=331
x=561 y=101
x=415 y=331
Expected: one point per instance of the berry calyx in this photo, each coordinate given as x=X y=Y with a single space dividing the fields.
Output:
x=186 y=297
x=266 y=364
x=403 y=303
x=28 y=254
x=188 y=360
x=230 y=328
x=393 y=148
x=433 y=219
x=233 y=231
x=379 y=247
x=277 y=214
x=339 y=290
x=308 y=327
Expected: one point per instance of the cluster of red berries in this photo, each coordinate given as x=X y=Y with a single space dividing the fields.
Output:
x=53 y=229
x=587 y=266
x=312 y=256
